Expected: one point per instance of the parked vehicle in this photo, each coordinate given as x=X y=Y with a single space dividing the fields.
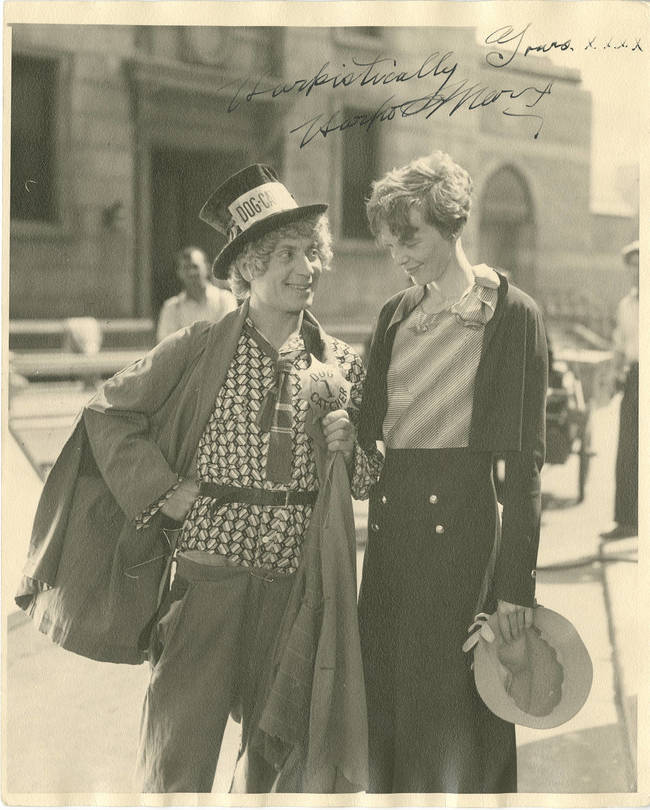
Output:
x=568 y=428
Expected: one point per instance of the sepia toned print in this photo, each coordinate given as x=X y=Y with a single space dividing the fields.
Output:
x=119 y=126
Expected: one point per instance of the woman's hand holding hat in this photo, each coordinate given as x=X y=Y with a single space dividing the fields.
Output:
x=540 y=679
x=513 y=619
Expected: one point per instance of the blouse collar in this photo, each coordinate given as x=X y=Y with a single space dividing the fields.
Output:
x=474 y=308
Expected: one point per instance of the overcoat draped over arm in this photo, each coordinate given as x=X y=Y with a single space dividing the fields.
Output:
x=91 y=578
x=90 y=574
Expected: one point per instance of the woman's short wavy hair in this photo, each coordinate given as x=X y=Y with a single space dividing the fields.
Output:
x=435 y=185
x=254 y=258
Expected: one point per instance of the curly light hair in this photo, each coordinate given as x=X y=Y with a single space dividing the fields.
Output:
x=435 y=185
x=254 y=258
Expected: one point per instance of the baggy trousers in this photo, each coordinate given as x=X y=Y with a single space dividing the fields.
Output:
x=210 y=652
x=627 y=457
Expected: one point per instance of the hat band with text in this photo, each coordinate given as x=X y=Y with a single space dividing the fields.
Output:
x=257 y=204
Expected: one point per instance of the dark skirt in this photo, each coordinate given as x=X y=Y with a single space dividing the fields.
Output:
x=431 y=531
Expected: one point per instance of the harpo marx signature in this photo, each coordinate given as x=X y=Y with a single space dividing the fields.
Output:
x=450 y=92
x=439 y=73
x=448 y=95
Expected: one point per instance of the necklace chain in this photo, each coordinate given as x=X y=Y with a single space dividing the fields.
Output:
x=425 y=318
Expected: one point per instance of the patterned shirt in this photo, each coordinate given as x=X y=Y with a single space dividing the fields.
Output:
x=433 y=367
x=233 y=451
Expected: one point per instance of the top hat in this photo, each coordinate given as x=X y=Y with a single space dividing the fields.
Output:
x=540 y=680
x=248 y=205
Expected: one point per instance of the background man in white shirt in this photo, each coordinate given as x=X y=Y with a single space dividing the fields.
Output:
x=626 y=360
x=199 y=301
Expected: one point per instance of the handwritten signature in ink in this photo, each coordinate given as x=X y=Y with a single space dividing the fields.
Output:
x=508 y=36
x=379 y=71
x=510 y=42
x=449 y=95
x=462 y=95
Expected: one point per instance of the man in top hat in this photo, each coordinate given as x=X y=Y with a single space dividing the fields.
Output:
x=626 y=364
x=199 y=300
x=213 y=437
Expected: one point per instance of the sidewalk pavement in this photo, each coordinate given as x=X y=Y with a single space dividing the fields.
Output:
x=621 y=596
x=72 y=724
x=595 y=751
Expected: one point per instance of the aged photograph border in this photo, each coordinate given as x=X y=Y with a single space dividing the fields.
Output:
x=570 y=19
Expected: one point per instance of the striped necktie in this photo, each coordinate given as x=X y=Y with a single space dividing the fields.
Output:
x=279 y=459
x=276 y=413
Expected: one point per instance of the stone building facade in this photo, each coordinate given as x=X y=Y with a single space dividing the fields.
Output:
x=119 y=133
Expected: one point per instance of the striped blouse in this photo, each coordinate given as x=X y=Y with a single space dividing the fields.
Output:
x=433 y=367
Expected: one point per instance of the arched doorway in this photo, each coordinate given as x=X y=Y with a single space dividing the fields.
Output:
x=507 y=226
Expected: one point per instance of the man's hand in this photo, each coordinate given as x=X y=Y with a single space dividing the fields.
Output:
x=513 y=619
x=339 y=433
x=178 y=505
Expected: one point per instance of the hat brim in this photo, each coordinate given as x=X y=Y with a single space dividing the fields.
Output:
x=227 y=255
x=633 y=247
x=571 y=653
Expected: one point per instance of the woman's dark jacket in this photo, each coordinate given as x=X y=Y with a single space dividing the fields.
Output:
x=508 y=419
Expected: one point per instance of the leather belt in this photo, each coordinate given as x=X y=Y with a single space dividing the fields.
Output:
x=222 y=493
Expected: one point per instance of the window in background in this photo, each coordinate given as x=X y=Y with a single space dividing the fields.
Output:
x=33 y=145
x=359 y=170
x=258 y=49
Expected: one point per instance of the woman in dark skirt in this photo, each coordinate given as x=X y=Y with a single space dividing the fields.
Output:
x=457 y=376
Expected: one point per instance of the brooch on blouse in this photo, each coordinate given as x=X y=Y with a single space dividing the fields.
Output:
x=423 y=321
x=473 y=310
